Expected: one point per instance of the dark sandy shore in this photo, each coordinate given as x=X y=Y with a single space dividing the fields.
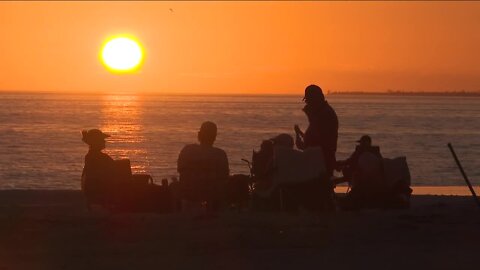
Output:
x=53 y=230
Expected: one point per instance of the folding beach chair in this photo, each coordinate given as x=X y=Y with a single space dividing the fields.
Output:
x=124 y=191
x=302 y=179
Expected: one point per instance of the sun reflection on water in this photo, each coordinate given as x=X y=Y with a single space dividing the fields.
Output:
x=122 y=119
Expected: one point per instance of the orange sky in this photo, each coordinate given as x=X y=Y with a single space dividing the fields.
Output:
x=244 y=47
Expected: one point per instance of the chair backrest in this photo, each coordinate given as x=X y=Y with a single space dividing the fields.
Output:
x=260 y=162
x=396 y=170
x=370 y=164
x=293 y=166
x=123 y=170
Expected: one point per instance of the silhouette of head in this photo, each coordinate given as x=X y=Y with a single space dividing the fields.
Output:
x=284 y=140
x=365 y=140
x=207 y=133
x=313 y=94
x=95 y=138
x=266 y=146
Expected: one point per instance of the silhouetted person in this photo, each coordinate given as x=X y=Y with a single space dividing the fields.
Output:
x=364 y=170
x=322 y=131
x=98 y=171
x=349 y=166
x=283 y=140
x=322 y=126
x=262 y=160
x=203 y=169
x=262 y=171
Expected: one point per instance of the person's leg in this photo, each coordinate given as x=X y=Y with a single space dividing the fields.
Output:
x=327 y=191
x=330 y=162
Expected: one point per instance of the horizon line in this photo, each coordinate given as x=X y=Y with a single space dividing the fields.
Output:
x=328 y=92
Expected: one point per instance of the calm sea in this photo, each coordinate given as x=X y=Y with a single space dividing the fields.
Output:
x=41 y=147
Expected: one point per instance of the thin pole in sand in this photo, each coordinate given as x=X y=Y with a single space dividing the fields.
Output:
x=464 y=174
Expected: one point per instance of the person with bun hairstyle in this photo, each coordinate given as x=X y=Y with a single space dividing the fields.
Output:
x=98 y=170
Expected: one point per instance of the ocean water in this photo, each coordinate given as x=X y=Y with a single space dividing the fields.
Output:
x=41 y=147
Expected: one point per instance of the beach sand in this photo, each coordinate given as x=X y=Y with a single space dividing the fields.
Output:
x=53 y=230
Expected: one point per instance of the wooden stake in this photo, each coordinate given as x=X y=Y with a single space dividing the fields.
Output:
x=464 y=175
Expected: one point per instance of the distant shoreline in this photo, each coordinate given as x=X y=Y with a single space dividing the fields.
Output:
x=407 y=93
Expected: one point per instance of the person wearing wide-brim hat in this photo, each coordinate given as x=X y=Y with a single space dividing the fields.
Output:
x=99 y=167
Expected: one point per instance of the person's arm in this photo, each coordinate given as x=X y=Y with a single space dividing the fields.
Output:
x=353 y=157
x=340 y=164
x=298 y=131
x=299 y=135
x=299 y=143
x=225 y=166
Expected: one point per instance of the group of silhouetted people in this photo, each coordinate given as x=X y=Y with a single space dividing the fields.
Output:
x=205 y=176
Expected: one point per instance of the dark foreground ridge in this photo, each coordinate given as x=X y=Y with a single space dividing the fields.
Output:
x=53 y=230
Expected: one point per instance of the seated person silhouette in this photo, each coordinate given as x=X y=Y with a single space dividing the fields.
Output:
x=290 y=197
x=99 y=167
x=203 y=169
x=110 y=182
x=349 y=166
x=262 y=161
x=363 y=171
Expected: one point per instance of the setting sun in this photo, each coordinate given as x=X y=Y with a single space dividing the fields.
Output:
x=122 y=54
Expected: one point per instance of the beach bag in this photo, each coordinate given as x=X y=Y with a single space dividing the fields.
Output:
x=136 y=192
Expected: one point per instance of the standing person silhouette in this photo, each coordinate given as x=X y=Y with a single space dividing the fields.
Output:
x=203 y=169
x=322 y=129
x=322 y=126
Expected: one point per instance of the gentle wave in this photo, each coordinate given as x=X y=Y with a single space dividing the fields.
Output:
x=40 y=144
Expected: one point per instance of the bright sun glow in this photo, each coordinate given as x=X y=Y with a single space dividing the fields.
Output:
x=122 y=54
